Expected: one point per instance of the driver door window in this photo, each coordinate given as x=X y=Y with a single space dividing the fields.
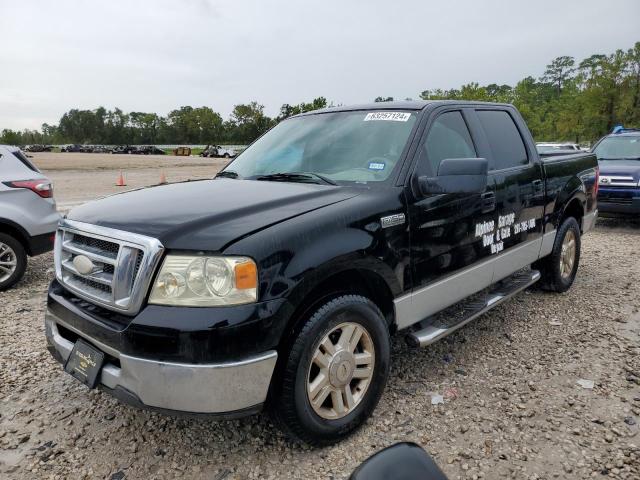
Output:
x=448 y=138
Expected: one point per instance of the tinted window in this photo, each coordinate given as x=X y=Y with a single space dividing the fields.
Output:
x=506 y=144
x=25 y=161
x=448 y=137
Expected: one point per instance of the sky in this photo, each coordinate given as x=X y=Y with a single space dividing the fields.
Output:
x=158 y=55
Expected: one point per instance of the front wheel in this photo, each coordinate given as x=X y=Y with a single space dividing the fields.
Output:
x=559 y=269
x=334 y=373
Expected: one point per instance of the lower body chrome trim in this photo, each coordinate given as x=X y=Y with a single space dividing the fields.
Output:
x=422 y=303
x=192 y=388
x=589 y=221
x=548 y=239
x=432 y=333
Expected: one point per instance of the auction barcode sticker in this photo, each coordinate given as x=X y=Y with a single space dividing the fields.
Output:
x=388 y=116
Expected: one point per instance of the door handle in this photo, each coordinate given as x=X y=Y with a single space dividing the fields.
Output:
x=488 y=202
x=537 y=186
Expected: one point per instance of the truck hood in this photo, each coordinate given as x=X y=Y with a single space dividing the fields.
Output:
x=209 y=214
x=624 y=168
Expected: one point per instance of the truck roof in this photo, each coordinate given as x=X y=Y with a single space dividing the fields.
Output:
x=400 y=105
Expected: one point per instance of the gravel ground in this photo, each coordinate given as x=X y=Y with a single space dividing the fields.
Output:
x=512 y=407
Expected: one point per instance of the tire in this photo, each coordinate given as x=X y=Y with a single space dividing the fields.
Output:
x=290 y=404
x=226 y=155
x=11 y=252
x=558 y=275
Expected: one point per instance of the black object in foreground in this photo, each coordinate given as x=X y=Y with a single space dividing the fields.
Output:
x=402 y=461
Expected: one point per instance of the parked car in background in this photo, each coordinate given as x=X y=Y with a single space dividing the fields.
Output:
x=557 y=148
x=125 y=149
x=280 y=282
x=149 y=150
x=101 y=149
x=71 y=148
x=218 y=151
x=619 y=186
x=28 y=215
x=38 y=148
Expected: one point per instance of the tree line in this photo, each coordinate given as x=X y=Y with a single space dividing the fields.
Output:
x=572 y=100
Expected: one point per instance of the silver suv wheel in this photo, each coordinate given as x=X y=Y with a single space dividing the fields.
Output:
x=8 y=262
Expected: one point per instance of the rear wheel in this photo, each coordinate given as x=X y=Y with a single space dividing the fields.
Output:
x=559 y=269
x=13 y=261
x=334 y=372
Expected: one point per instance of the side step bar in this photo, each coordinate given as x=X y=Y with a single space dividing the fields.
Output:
x=434 y=329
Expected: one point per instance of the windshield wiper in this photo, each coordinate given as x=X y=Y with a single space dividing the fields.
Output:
x=227 y=174
x=296 y=177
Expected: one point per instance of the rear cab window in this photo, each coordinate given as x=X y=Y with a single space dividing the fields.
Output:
x=505 y=141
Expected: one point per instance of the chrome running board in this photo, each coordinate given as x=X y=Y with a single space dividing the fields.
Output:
x=434 y=328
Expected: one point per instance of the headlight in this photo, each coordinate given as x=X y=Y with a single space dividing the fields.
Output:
x=201 y=281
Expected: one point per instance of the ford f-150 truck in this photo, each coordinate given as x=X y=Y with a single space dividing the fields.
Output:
x=278 y=284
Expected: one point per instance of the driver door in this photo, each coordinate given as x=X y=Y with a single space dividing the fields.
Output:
x=449 y=232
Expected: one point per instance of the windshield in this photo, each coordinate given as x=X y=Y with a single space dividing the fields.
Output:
x=619 y=148
x=360 y=146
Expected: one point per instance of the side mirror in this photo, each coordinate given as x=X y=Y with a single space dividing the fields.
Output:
x=457 y=175
x=402 y=461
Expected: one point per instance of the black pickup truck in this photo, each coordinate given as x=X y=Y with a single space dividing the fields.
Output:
x=278 y=284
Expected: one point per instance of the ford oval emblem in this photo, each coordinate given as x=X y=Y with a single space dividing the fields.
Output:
x=83 y=264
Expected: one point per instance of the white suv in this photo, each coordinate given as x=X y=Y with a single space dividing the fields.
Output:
x=28 y=215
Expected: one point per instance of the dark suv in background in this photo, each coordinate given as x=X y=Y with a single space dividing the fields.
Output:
x=619 y=159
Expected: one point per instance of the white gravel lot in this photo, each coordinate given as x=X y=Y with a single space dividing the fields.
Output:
x=512 y=407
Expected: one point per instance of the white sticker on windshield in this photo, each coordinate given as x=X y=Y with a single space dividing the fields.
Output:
x=388 y=116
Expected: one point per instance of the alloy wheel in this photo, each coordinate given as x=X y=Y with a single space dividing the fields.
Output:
x=568 y=254
x=8 y=262
x=341 y=370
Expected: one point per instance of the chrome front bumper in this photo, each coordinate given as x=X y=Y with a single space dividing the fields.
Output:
x=187 y=388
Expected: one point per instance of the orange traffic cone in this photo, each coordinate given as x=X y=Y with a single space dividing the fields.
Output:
x=163 y=177
x=120 y=182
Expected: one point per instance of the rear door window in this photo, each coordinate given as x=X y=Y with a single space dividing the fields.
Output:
x=505 y=141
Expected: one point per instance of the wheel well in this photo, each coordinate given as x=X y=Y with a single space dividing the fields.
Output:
x=575 y=210
x=15 y=233
x=355 y=281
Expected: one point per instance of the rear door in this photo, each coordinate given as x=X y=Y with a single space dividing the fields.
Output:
x=519 y=185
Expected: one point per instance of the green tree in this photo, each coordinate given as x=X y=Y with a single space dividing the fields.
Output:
x=559 y=71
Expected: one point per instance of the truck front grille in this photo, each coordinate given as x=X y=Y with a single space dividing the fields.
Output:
x=120 y=268
x=620 y=200
x=617 y=181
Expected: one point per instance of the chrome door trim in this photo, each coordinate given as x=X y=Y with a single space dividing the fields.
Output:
x=426 y=301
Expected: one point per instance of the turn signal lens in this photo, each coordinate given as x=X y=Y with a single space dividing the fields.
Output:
x=246 y=275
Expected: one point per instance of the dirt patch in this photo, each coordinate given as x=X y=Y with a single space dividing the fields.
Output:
x=80 y=177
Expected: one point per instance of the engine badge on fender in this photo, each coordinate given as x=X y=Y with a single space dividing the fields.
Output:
x=392 y=220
